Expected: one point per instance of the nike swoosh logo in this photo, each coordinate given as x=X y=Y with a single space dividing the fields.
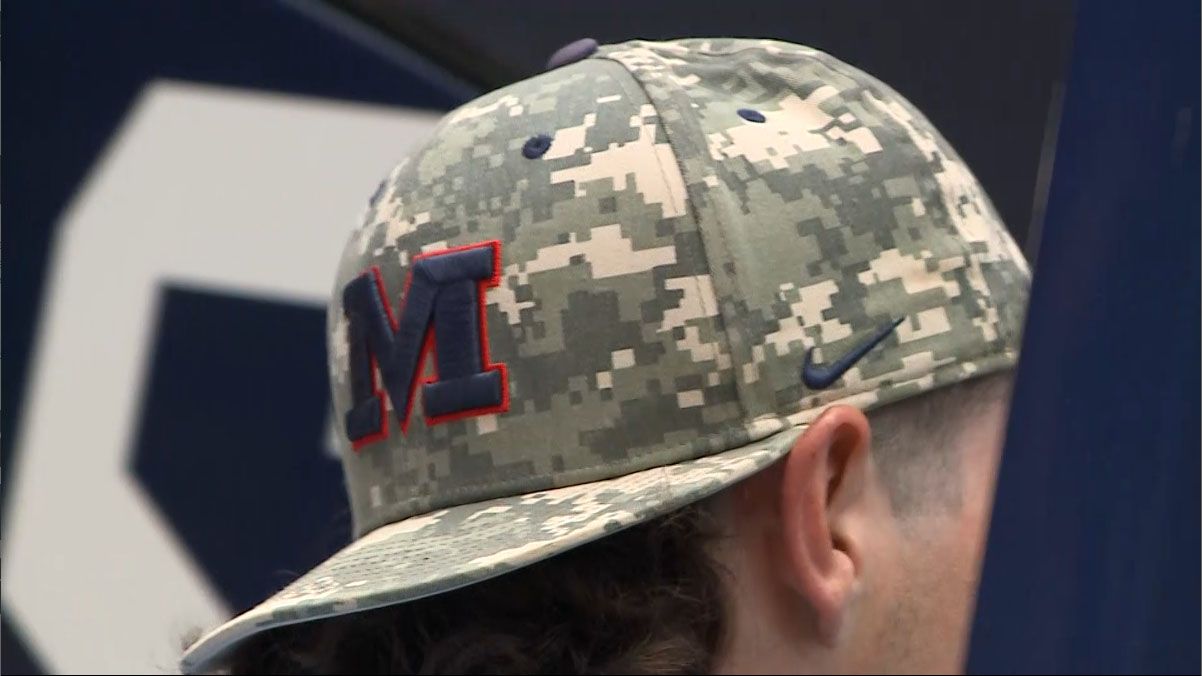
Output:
x=820 y=377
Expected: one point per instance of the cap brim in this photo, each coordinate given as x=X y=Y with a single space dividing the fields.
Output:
x=462 y=545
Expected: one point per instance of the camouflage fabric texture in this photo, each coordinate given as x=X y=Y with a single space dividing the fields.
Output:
x=707 y=210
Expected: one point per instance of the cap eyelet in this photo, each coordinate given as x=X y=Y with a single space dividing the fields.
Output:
x=751 y=115
x=572 y=52
x=536 y=146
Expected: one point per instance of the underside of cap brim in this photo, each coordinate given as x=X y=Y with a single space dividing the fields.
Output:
x=455 y=547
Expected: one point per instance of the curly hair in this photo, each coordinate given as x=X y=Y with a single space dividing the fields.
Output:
x=645 y=600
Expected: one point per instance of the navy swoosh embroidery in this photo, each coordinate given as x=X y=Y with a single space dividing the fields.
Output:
x=820 y=377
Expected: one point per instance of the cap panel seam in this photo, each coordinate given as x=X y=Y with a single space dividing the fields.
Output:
x=728 y=326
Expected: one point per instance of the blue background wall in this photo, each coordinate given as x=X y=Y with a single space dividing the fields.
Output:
x=1093 y=560
x=1104 y=439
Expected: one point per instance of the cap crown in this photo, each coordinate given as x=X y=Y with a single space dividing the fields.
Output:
x=515 y=315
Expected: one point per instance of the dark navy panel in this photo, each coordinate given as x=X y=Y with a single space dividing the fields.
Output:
x=71 y=70
x=18 y=659
x=1093 y=558
x=231 y=441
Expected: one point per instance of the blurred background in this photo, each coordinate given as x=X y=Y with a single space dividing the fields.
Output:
x=178 y=180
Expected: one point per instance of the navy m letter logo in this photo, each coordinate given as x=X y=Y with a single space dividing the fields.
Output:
x=443 y=308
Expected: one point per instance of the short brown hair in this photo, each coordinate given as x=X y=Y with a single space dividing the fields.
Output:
x=910 y=440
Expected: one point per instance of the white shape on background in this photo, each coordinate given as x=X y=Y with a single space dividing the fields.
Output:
x=242 y=192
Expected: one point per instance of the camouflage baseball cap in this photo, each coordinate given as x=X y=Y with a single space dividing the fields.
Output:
x=612 y=289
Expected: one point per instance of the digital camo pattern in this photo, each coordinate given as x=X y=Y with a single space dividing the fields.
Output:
x=604 y=316
x=666 y=265
x=454 y=547
x=843 y=210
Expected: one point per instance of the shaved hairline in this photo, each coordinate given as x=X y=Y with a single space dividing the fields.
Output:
x=913 y=440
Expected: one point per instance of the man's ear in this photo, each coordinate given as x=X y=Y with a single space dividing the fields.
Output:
x=823 y=480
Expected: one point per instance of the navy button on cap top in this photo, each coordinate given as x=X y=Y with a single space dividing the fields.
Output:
x=572 y=52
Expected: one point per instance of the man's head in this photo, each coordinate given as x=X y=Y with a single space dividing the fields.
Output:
x=859 y=551
x=856 y=552
x=598 y=299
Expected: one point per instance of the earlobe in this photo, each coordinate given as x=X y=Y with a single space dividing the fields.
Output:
x=822 y=474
